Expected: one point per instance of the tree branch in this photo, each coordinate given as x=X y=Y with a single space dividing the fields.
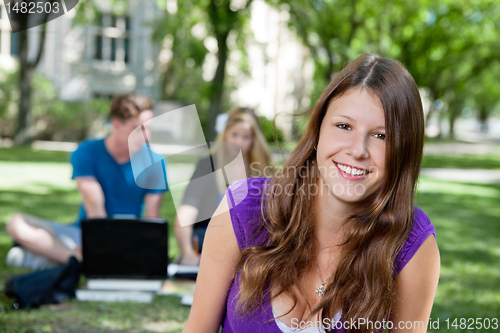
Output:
x=42 y=39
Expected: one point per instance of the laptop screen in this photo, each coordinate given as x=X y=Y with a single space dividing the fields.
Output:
x=121 y=248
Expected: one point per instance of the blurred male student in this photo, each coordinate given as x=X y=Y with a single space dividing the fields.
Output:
x=103 y=174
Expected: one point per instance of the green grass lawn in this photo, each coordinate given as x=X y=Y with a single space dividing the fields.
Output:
x=491 y=162
x=466 y=217
x=467 y=221
x=38 y=182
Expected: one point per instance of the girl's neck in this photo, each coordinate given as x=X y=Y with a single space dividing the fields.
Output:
x=330 y=216
x=246 y=159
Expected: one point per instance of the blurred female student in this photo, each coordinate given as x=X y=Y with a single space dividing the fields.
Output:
x=334 y=241
x=201 y=198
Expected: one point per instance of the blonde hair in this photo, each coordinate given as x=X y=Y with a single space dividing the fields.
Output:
x=258 y=157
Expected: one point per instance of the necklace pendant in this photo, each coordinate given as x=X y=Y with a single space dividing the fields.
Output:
x=320 y=290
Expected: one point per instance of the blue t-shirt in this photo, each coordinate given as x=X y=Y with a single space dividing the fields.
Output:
x=122 y=195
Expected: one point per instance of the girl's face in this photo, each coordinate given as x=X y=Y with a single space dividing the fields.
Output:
x=351 y=147
x=240 y=134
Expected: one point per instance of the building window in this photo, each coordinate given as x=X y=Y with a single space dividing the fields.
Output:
x=112 y=39
x=14 y=44
x=101 y=95
x=9 y=41
x=2 y=24
x=98 y=47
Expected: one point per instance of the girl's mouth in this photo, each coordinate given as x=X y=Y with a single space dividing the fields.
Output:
x=351 y=172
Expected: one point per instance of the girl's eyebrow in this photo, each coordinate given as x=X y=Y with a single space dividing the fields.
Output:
x=353 y=120
x=344 y=116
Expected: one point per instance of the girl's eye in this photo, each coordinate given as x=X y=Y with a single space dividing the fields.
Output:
x=380 y=136
x=344 y=126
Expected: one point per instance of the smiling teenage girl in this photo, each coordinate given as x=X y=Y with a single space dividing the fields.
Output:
x=335 y=239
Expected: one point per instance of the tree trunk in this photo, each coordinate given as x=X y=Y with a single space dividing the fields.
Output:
x=483 y=120
x=452 y=118
x=440 y=120
x=454 y=110
x=26 y=71
x=432 y=96
x=21 y=136
x=217 y=86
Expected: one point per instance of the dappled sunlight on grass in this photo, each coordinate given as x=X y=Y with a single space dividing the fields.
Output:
x=467 y=221
x=168 y=326
x=32 y=177
x=491 y=162
x=39 y=183
x=165 y=313
x=53 y=204
x=428 y=185
x=466 y=217
x=29 y=155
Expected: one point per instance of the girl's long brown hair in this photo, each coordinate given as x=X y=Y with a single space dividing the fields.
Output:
x=364 y=282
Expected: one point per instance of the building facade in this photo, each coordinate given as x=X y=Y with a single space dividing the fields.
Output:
x=113 y=55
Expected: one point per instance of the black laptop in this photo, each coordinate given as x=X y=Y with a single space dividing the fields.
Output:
x=125 y=249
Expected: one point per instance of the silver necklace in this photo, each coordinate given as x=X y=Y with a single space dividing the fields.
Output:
x=320 y=289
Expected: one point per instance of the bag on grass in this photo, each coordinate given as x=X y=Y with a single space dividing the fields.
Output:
x=52 y=285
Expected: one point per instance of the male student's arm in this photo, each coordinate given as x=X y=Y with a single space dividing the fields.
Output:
x=84 y=163
x=92 y=196
x=153 y=204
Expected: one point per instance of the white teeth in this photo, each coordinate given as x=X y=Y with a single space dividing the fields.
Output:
x=351 y=171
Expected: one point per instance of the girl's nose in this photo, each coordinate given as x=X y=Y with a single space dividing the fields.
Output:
x=358 y=148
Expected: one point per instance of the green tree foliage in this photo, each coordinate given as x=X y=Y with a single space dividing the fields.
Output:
x=9 y=99
x=272 y=133
x=485 y=93
x=185 y=35
x=445 y=44
x=450 y=47
x=456 y=43
x=183 y=53
x=51 y=118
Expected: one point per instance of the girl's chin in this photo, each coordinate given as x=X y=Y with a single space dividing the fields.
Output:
x=351 y=200
x=349 y=193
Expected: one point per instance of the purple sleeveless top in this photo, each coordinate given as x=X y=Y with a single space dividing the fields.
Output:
x=244 y=199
